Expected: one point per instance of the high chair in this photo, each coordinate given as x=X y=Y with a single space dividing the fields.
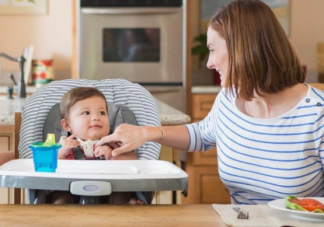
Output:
x=29 y=127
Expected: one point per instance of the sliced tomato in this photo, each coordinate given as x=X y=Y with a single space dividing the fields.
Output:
x=308 y=204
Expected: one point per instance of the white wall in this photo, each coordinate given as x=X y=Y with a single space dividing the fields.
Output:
x=51 y=35
x=307 y=29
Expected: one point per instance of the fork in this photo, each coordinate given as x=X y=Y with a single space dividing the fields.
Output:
x=241 y=214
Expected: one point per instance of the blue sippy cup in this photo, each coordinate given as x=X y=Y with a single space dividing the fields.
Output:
x=45 y=154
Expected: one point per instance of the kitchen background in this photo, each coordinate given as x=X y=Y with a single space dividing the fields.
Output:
x=52 y=36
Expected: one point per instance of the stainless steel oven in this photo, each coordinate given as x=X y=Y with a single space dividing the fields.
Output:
x=142 y=41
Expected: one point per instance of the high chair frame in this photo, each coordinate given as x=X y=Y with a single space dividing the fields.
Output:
x=17 y=191
x=116 y=91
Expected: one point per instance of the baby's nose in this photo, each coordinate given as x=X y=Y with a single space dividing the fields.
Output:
x=95 y=117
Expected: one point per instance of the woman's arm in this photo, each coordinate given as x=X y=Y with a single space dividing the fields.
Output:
x=173 y=136
x=131 y=137
x=202 y=135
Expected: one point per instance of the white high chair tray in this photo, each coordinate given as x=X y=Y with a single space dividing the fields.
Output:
x=125 y=175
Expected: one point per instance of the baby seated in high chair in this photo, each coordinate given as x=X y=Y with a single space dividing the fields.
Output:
x=84 y=114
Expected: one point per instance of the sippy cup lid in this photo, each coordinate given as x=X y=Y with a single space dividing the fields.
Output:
x=50 y=142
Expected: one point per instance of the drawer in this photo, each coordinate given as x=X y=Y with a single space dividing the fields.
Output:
x=201 y=105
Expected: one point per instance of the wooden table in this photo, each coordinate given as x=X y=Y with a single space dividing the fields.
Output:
x=105 y=215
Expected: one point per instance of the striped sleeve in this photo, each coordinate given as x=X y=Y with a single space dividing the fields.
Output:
x=202 y=134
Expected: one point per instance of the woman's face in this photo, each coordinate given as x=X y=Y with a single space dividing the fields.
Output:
x=218 y=55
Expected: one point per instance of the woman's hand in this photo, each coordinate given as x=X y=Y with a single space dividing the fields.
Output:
x=128 y=137
x=103 y=152
x=67 y=144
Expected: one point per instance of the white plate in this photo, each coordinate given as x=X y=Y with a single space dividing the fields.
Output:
x=280 y=204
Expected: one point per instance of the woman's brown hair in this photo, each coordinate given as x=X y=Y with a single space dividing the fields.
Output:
x=261 y=59
x=77 y=94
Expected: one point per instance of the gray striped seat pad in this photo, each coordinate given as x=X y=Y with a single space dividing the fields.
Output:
x=117 y=91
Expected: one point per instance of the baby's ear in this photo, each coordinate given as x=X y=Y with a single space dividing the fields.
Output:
x=65 y=125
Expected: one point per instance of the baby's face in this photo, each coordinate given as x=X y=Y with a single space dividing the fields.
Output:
x=88 y=119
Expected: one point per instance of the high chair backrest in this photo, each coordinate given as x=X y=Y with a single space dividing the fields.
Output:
x=117 y=91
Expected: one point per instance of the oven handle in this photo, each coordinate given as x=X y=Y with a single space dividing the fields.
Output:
x=113 y=11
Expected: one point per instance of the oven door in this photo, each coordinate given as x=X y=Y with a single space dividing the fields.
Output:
x=143 y=45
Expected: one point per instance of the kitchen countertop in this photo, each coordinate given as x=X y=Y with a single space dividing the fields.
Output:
x=168 y=115
x=8 y=107
x=171 y=116
x=205 y=89
x=29 y=89
x=194 y=90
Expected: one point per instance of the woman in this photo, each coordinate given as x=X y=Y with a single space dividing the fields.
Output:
x=268 y=126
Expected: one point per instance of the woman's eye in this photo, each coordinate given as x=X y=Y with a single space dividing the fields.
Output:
x=85 y=113
x=102 y=113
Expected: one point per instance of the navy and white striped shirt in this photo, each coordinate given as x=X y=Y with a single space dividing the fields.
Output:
x=264 y=159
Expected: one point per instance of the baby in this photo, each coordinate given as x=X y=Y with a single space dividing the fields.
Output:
x=84 y=114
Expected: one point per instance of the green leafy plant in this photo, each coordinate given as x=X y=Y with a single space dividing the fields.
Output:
x=201 y=48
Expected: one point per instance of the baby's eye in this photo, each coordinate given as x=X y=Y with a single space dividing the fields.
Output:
x=102 y=113
x=85 y=113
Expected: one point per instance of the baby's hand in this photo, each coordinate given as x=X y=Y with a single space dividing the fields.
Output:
x=87 y=146
x=114 y=145
x=103 y=152
x=67 y=144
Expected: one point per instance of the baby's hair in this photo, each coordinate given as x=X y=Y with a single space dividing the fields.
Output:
x=77 y=94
